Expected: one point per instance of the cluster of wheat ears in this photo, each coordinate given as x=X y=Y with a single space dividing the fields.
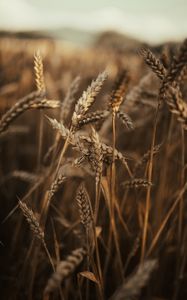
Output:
x=104 y=223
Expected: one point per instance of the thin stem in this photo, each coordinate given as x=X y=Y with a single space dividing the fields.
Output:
x=40 y=140
x=148 y=195
x=98 y=263
x=112 y=193
x=66 y=144
x=162 y=226
x=97 y=197
x=181 y=203
x=48 y=255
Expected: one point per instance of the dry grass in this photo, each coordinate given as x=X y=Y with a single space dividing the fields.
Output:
x=100 y=157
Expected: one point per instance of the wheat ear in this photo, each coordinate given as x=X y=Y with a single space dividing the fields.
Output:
x=119 y=91
x=154 y=63
x=85 y=208
x=88 y=98
x=133 y=285
x=92 y=117
x=176 y=105
x=136 y=183
x=35 y=227
x=125 y=119
x=64 y=269
x=18 y=108
x=55 y=185
x=39 y=75
x=69 y=98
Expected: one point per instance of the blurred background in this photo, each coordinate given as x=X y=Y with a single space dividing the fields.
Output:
x=60 y=46
x=78 y=21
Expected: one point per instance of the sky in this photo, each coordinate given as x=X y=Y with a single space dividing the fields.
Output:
x=149 y=20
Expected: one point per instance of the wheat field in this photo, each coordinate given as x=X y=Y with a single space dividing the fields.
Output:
x=93 y=170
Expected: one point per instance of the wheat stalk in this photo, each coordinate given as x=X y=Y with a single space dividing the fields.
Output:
x=169 y=90
x=133 y=285
x=177 y=106
x=92 y=117
x=96 y=155
x=21 y=106
x=69 y=98
x=55 y=185
x=39 y=75
x=177 y=64
x=85 y=208
x=145 y=158
x=77 y=143
x=47 y=104
x=87 y=99
x=60 y=127
x=106 y=150
x=118 y=92
x=32 y=220
x=64 y=269
x=23 y=175
x=35 y=227
x=136 y=183
x=154 y=63
x=135 y=93
x=126 y=120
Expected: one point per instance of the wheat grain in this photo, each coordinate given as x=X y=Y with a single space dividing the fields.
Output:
x=39 y=75
x=85 y=208
x=64 y=269
x=26 y=176
x=145 y=158
x=119 y=91
x=32 y=220
x=126 y=120
x=46 y=104
x=133 y=285
x=60 y=127
x=69 y=98
x=135 y=93
x=136 y=183
x=96 y=155
x=177 y=64
x=177 y=106
x=154 y=63
x=55 y=185
x=87 y=99
x=92 y=117
x=18 y=108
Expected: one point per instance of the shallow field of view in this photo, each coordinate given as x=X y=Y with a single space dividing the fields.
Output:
x=93 y=169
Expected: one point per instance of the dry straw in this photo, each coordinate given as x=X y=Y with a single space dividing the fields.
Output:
x=96 y=155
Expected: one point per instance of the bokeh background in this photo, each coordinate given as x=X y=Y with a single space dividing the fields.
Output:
x=146 y=20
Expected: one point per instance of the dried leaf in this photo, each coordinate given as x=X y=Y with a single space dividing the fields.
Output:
x=89 y=275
